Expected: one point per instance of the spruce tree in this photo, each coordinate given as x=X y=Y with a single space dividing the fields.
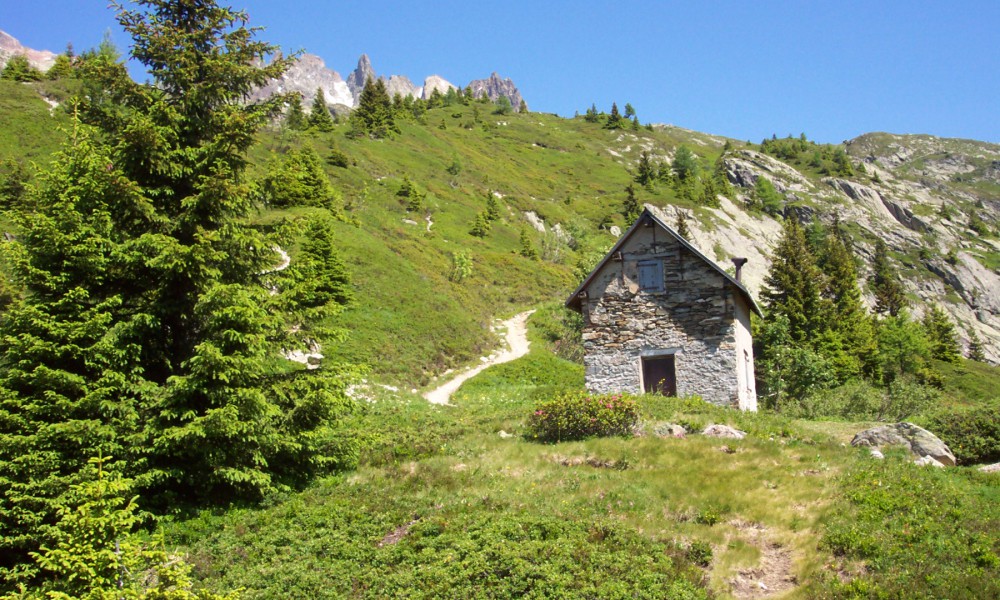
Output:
x=645 y=173
x=684 y=165
x=319 y=115
x=850 y=322
x=492 y=206
x=631 y=209
x=941 y=334
x=889 y=297
x=527 y=248
x=976 y=347
x=709 y=193
x=145 y=331
x=681 y=224
x=615 y=120
x=374 y=115
x=793 y=286
x=295 y=117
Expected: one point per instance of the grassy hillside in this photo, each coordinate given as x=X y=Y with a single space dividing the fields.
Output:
x=452 y=501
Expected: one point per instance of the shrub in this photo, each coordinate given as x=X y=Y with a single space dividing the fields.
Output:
x=972 y=434
x=577 y=415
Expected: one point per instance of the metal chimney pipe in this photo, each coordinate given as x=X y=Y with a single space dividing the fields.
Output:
x=739 y=262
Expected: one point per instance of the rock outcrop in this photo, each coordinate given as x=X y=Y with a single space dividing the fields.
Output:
x=921 y=442
x=400 y=85
x=362 y=73
x=436 y=82
x=9 y=46
x=305 y=76
x=494 y=87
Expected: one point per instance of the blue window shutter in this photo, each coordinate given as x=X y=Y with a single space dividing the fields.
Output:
x=651 y=276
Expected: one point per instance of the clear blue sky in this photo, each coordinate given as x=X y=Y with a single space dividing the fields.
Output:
x=746 y=70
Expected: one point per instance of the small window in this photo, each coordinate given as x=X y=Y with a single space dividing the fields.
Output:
x=651 y=275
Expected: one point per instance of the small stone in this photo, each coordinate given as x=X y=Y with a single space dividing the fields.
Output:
x=927 y=461
x=876 y=453
x=505 y=435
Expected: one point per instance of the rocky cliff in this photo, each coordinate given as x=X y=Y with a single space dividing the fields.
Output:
x=9 y=46
x=494 y=87
x=308 y=74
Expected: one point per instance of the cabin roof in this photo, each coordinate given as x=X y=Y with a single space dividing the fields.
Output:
x=656 y=216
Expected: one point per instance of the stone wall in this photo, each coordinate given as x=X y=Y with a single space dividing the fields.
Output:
x=694 y=318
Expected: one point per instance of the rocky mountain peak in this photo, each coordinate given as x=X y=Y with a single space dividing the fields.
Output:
x=305 y=76
x=356 y=80
x=436 y=82
x=494 y=87
x=10 y=46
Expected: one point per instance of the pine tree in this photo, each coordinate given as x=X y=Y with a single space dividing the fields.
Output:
x=850 y=321
x=630 y=207
x=629 y=111
x=527 y=248
x=793 y=286
x=295 y=117
x=19 y=69
x=682 y=225
x=615 y=120
x=721 y=177
x=410 y=195
x=976 y=347
x=684 y=165
x=481 y=226
x=145 y=331
x=645 y=174
x=888 y=291
x=591 y=115
x=941 y=334
x=492 y=206
x=709 y=193
x=319 y=115
x=374 y=115
x=766 y=197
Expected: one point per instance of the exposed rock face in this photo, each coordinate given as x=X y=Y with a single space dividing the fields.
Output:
x=920 y=441
x=356 y=80
x=9 y=46
x=402 y=86
x=308 y=74
x=494 y=87
x=669 y=430
x=436 y=82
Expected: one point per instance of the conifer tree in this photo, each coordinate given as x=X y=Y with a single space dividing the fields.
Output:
x=481 y=226
x=645 y=174
x=319 y=116
x=630 y=207
x=684 y=165
x=615 y=120
x=941 y=334
x=374 y=115
x=709 y=193
x=850 y=322
x=19 y=69
x=888 y=291
x=145 y=332
x=975 y=347
x=527 y=248
x=295 y=117
x=793 y=286
x=682 y=224
x=492 y=206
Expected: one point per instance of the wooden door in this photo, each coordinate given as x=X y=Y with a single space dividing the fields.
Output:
x=658 y=375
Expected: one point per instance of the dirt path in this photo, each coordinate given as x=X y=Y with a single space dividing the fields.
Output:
x=517 y=346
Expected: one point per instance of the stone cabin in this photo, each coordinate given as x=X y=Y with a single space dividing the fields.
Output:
x=658 y=315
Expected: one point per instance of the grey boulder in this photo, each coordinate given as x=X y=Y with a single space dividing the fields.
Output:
x=920 y=441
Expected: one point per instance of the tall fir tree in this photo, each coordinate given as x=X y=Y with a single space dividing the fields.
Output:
x=145 y=331
x=793 y=286
x=615 y=120
x=631 y=209
x=319 y=115
x=941 y=334
x=295 y=116
x=374 y=115
x=889 y=297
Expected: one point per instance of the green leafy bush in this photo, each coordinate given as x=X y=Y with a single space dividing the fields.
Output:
x=972 y=434
x=577 y=415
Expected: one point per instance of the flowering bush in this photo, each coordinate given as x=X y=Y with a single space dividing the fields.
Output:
x=577 y=415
